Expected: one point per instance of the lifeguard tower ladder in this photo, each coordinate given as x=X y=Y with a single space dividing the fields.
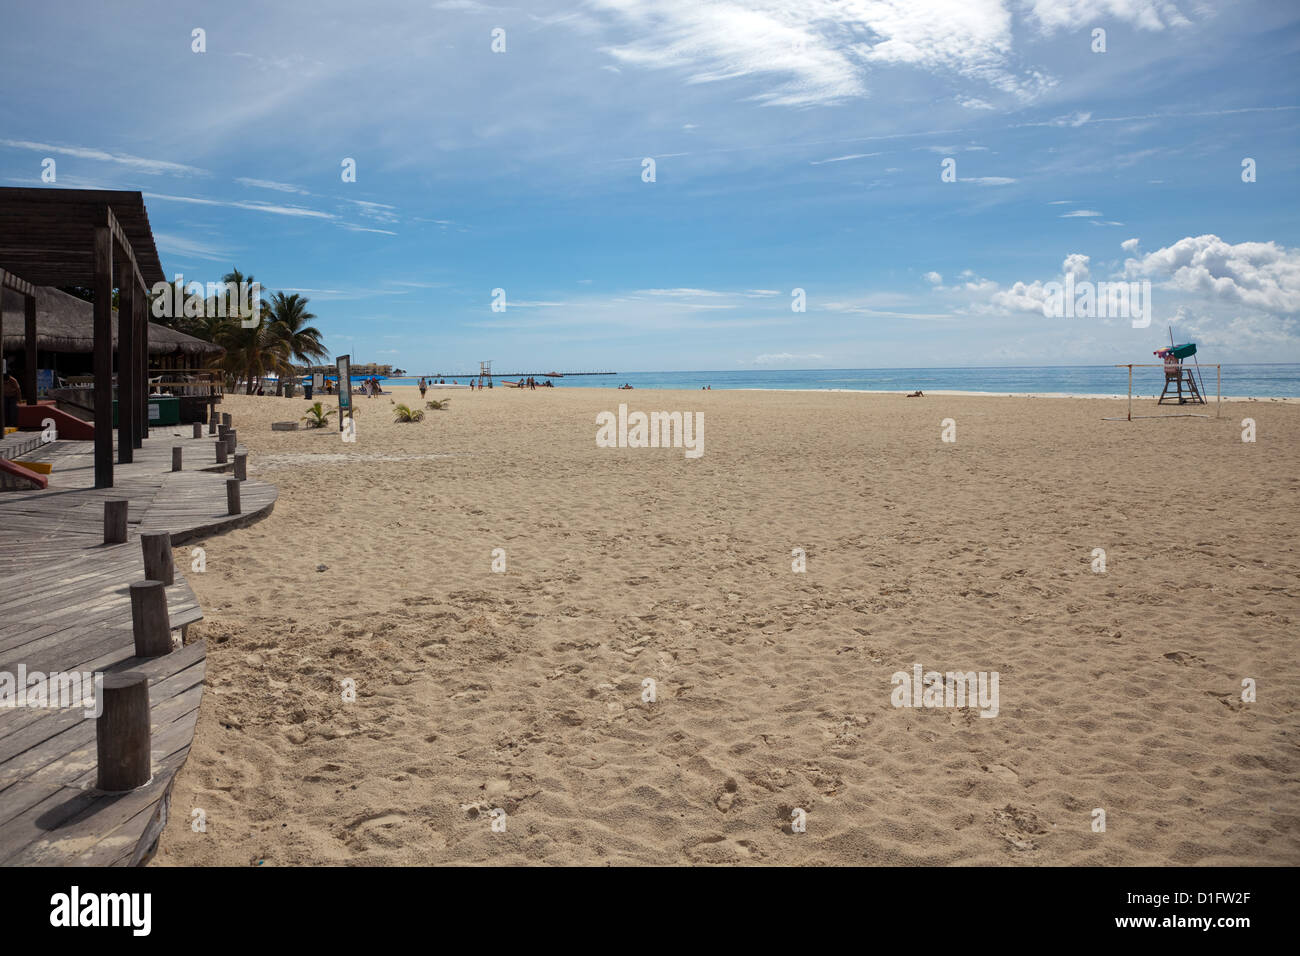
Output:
x=1179 y=377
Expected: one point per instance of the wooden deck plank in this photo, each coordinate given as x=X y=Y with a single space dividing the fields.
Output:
x=65 y=607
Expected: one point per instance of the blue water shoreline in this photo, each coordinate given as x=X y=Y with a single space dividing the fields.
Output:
x=1100 y=381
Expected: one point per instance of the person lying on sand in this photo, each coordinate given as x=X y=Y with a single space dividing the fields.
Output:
x=917 y=394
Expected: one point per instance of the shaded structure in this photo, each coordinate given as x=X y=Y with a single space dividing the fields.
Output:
x=97 y=239
x=65 y=343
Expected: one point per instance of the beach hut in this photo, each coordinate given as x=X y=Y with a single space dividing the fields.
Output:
x=64 y=357
x=93 y=239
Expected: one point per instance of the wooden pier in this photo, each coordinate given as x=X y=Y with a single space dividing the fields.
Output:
x=65 y=606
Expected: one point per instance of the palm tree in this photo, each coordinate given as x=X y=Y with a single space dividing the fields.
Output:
x=252 y=353
x=287 y=318
x=406 y=414
x=318 y=416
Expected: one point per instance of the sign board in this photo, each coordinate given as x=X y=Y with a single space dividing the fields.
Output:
x=345 y=386
x=153 y=411
x=318 y=381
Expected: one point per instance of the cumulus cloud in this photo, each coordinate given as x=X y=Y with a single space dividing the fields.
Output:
x=1129 y=245
x=1259 y=275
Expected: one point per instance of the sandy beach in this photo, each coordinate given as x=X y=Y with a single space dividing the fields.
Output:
x=523 y=691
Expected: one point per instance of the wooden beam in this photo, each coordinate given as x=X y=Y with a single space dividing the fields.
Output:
x=29 y=369
x=10 y=281
x=140 y=410
x=126 y=372
x=4 y=371
x=103 y=309
x=144 y=375
x=119 y=234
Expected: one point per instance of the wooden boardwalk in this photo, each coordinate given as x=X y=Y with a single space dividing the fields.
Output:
x=65 y=606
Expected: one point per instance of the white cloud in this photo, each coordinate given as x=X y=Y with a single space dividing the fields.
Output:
x=137 y=163
x=1053 y=15
x=819 y=51
x=784 y=358
x=269 y=184
x=841 y=159
x=1260 y=275
x=254 y=205
x=933 y=278
x=1129 y=245
x=1080 y=213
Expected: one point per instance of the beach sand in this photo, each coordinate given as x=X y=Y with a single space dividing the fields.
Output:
x=523 y=690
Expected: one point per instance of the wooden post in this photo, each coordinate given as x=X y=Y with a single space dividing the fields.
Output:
x=232 y=496
x=144 y=376
x=140 y=410
x=1130 y=393
x=103 y=311
x=177 y=451
x=198 y=430
x=233 y=438
x=3 y=368
x=1218 y=389
x=212 y=424
x=221 y=451
x=150 y=623
x=115 y=520
x=122 y=740
x=241 y=466
x=157 y=548
x=126 y=366
x=226 y=419
x=29 y=373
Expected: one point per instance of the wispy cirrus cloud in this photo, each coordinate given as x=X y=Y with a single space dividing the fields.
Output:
x=254 y=205
x=139 y=164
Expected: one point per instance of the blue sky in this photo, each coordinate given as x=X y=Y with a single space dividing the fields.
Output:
x=797 y=144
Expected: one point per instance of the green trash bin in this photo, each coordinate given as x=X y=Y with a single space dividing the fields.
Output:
x=163 y=410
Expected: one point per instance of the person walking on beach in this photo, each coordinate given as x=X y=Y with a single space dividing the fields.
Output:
x=423 y=387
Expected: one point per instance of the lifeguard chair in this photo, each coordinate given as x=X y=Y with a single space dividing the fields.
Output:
x=1179 y=377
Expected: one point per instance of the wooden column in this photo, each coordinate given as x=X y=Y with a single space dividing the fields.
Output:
x=232 y=495
x=139 y=410
x=126 y=364
x=241 y=466
x=122 y=740
x=177 y=452
x=115 y=510
x=156 y=547
x=103 y=357
x=3 y=371
x=144 y=375
x=150 y=623
x=29 y=373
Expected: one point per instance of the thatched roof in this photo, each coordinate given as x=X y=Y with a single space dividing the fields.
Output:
x=65 y=323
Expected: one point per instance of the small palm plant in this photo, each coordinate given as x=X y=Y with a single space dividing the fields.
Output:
x=438 y=406
x=406 y=414
x=318 y=416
